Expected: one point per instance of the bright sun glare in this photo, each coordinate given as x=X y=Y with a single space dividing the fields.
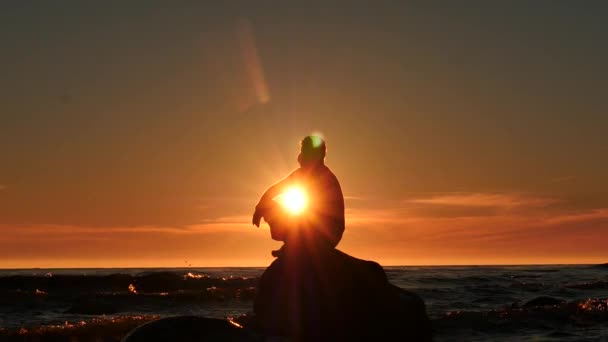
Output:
x=294 y=200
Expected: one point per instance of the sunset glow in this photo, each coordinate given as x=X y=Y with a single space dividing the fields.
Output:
x=458 y=134
x=294 y=200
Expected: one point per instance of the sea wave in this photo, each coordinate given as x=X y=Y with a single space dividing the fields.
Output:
x=541 y=314
x=119 y=282
x=110 y=329
x=465 y=303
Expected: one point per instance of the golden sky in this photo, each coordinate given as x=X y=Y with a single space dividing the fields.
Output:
x=142 y=134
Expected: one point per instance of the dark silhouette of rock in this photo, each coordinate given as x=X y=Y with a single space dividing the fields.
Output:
x=159 y=282
x=190 y=329
x=414 y=313
x=93 y=307
x=543 y=301
x=333 y=296
x=605 y=266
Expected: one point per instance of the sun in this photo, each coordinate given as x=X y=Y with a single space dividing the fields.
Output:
x=294 y=200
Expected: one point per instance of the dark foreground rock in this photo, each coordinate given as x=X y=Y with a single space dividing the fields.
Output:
x=328 y=295
x=106 y=329
x=543 y=301
x=190 y=329
x=417 y=326
x=93 y=307
x=311 y=294
x=415 y=314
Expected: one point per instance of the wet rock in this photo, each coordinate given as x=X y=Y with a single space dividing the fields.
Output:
x=159 y=282
x=543 y=301
x=190 y=329
x=92 y=307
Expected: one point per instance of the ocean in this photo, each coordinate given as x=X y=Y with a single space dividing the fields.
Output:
x=465 y=303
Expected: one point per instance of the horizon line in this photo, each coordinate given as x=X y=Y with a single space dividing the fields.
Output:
x=264 y=266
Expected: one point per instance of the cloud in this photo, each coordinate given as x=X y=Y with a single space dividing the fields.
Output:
x=59 y=229
x=404 y=231
x=507 y=237
x=210 y=244
x=391 y=216
x=449 y=207
x=103 y=210
x=506 y=200
x=479 y=218
x=591 y=215
x=233 y=219
x=353 y=198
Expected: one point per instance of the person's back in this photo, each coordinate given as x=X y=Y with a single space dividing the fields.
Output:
x=323 y=219
x=325 y=208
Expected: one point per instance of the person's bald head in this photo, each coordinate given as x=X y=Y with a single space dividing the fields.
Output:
x=312 y=151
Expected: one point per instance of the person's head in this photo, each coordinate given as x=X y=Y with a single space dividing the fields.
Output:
x=312 y=151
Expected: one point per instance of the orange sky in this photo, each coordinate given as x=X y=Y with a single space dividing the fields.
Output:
x=143 y=136
x=443 y=229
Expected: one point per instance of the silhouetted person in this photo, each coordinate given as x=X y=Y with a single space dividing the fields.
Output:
x=314 y=292
x=322 y=222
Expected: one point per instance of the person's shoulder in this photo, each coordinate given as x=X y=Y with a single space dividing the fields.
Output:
x=272 y=272
x=275 y=265
x=369 y=267
x=296 y=172
x=327 y=169
x=374 y=268
x=328 y=173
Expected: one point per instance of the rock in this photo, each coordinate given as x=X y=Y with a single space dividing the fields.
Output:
x=334 y=296
x=190 y=329
x=414 y=313
x=543 y=301
x=605 y=266
x=159 y=282
x=93 y=307
x=197 y=328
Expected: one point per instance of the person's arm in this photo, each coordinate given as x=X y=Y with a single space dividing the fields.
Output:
x=273 y=191
x=270 y=193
